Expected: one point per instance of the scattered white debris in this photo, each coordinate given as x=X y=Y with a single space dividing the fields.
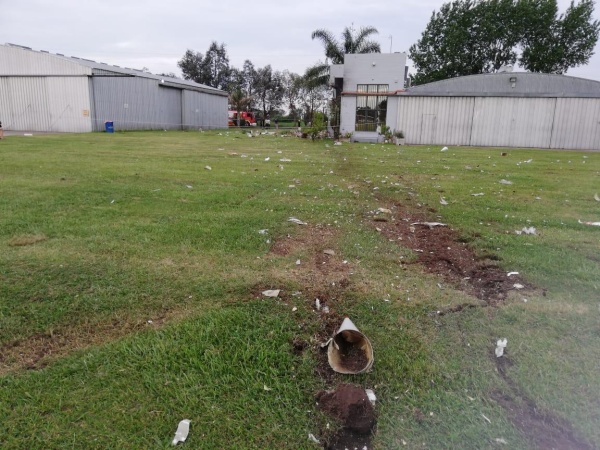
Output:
x=500 y=346
x=112 y=201
x=503 y=181
x=518 y=286
x=526 y=230
x=266 y=388
x=264 y=231
x=312 y=438
x=285 y=160
x=501 y=441
x=337 y=143
x=182 y=432
x=479 y=194
x=329 y=252
x=267 y=158
x=443 y=201
x=271 y=292
x=430 y=224
x=445 y=149
x=596 y=197
x=484 y=416
x=510 y=274
x=296 y=221
x=208 y=167
x=384 y=210
x=325 y=309
x=189 y=186
x=317 y=304
x=595 y=224
x=294 y=309
x=297 y=262
x=371 y=395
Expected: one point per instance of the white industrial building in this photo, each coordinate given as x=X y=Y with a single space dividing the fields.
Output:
x=514 y=109
x=40 y=91
x=511 y=109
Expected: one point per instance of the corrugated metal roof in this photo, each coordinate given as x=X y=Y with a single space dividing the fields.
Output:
x=510 y=84
x=102 y=69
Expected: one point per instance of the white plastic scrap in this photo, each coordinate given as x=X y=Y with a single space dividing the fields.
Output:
x=479 y=194
x=312 y=438
x=318 y=304
x=595 y=224
x=518 y=286
x=503 y=181
x=443 y=201
x=296 y=221
x=500 y=346
x=445 y=149
x=501 y=441
x=430 y=224
x=208 y=167
x=596 y=197
x=337 y=143
x=510 y=274
x=271 y=293
x=182 y=432
x=285 y=160
x=298 y=262
x=371 y=395
x=264 y=231
x=526 y=230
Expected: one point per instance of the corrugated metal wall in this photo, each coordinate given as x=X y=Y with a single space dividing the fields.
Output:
x=577 y=123
x=204 y=111
x=501 y=121
x=134 y=103
x=45 y=104
x=432 y=120
x=18 y=61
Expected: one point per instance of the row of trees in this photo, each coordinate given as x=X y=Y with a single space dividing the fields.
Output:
x=251 y=88
x=468 y=37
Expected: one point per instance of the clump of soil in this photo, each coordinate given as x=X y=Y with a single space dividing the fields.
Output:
x=349 y=405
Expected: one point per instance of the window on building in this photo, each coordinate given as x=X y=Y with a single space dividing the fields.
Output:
x=371 y=106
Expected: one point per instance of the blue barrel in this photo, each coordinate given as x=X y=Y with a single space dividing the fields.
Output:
x=109 y=127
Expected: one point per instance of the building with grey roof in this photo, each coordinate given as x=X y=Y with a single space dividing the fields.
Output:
x=512 y=109
x=41 y=91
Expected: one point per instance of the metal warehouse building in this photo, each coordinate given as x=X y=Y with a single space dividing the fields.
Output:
x=40 y=91
x=506 y=110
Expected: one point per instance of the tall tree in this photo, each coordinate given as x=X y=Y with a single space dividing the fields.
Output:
x=480 y=36
x=211 y=69
x=350 y=43
x=268 y=89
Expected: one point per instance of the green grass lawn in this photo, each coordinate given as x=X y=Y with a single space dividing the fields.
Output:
x=131 y=266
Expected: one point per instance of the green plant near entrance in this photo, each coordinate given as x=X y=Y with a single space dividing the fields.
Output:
x=135 y=273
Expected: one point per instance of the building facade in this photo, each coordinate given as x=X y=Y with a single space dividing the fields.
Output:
x=513 y=109
x=40 y=91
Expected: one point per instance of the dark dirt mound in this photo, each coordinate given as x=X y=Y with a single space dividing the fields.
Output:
x=349 y=405
x=442 y=251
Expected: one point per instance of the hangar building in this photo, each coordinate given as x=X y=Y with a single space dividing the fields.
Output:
x=41 y=91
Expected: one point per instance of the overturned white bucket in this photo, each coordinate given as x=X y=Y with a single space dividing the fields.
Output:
x=349 y=350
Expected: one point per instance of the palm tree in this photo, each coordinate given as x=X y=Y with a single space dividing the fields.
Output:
x=336 y=50
x=239 y=102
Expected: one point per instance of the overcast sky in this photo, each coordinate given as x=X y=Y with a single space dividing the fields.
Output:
x=155 y=34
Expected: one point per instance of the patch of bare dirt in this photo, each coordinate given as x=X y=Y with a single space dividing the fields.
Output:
x=542 y=429
x=37 y=351
x=28 y=239
x=441 y=250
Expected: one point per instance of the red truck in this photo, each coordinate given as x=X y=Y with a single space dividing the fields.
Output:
x=247 y=119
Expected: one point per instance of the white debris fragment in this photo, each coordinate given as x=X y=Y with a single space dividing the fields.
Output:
x=329 y=252
x=484 y=416
x=271 y=292
x=371 y=395
x=266 y=388
x=500 y=346
x=294 y=309
x=296 y=221
x=312 y=438
x=317 y=304
x=337 y=143
x=479 y=194
x=526 y=230
x=325 y=309
x=518 y=286
x=384 y=210
x=595 y=224
x=443 y=201
x=501 y=441
x=503 y=181
x=298 y=262
x=444 y=149
x=263 y=231
x=112 y=201
x=267 y=158
x=510 y=274
x=189 y=186
x=596 y=197
x=285 y=160
x=208 y=167
x=182 y=432
x=430 y=224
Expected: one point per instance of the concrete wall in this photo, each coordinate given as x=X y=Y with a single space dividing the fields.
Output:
x=374 y=68
x=500 y=121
